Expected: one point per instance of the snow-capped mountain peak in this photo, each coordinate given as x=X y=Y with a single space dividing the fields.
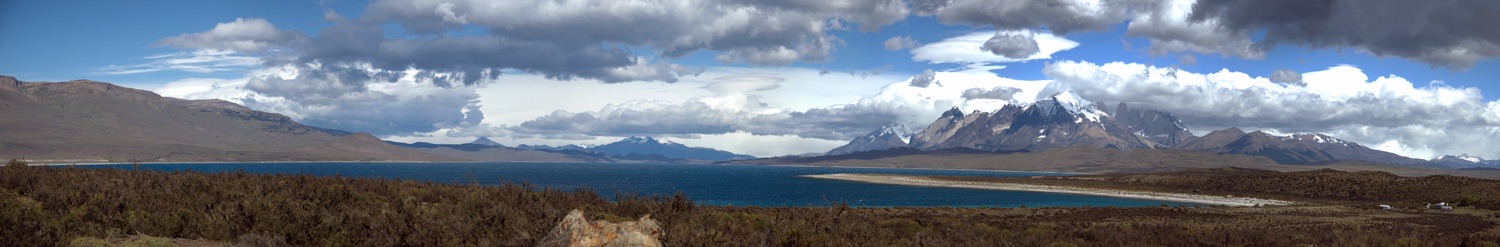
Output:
x=1320 y=138
x=1464 y=157
x=639 y=140
x=1071 y=103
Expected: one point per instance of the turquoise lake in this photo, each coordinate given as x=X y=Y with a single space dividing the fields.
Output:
x=738 y=185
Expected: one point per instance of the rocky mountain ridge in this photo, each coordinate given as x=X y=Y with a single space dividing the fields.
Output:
x=1066 y=120
x=101 y=122
x=1062 y=120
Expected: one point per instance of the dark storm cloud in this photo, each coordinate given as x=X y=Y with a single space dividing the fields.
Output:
x=758 y=32
x=1167 y=26
x=1012 y=45
x=1448 y=33
x=1059 y=16
x=471 y=56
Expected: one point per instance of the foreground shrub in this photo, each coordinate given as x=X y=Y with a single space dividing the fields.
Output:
x=48 y=206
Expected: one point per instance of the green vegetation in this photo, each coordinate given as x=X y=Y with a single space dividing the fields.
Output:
x=63 y=206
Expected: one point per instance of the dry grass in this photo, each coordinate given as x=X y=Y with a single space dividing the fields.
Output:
x=50 y=206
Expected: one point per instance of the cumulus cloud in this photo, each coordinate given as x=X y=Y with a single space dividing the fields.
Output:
x=242 y=35
x=1448 y=33
x=975 y=48
x=1012 y=45
x=900 y=43
x=1341 y=100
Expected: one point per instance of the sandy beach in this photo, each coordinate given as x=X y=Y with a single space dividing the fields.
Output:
x=1176 y=197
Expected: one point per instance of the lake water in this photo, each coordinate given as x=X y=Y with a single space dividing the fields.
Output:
x=740 y=185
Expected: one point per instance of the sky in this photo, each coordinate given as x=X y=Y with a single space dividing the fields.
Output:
x=783 y=77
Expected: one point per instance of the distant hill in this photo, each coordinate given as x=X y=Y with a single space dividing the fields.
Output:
x=486 y=141
x=1294 y=149
x=1466 y=162
x=650 y=146
x=90 y=121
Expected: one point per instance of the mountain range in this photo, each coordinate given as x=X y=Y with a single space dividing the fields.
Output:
x=1464 y=161
x=636 y=145
x=1066 y=120
x=86 y=121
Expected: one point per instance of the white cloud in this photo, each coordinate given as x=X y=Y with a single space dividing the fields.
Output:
x=760 y=145
x=252 y=35
x=199 y=61
x=900 y=43
x=515 y=98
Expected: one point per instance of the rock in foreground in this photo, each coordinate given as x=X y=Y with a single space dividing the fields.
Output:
x=576 y=231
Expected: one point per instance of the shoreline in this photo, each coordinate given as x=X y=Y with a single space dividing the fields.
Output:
x=105 y=163
x=941 y=169
x=1159 y=196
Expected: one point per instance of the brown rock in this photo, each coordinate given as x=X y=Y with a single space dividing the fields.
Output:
x=576 y=231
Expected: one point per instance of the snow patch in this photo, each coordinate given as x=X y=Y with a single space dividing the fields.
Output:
x=1072 y=104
